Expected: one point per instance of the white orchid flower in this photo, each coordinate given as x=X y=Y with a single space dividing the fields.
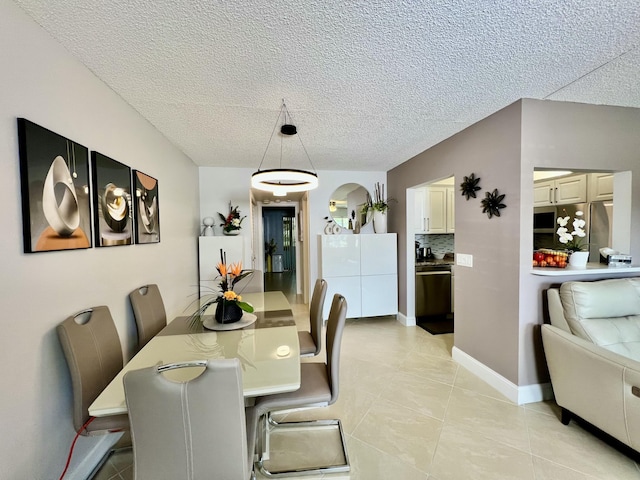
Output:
x=562 y=221
x=564 y=236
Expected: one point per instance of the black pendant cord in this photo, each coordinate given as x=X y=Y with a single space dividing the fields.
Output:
x=300 y=138
x=286 y=112
x=271 y=137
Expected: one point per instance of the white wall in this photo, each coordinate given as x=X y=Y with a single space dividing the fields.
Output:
x=40 y=81
x=218 y=186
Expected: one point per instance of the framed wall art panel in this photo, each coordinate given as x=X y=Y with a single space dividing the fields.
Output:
x=147 y=214
x=112 y=215
x=56 y=206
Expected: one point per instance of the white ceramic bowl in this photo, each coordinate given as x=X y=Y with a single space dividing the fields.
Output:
x=439 y=256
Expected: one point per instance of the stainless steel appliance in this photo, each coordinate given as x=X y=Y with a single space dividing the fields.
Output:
x=598 y=217
x=545 y=223
x=433 y=290
x=600 y=228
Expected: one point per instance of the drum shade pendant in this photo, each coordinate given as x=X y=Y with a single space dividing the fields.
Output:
x=281 y=181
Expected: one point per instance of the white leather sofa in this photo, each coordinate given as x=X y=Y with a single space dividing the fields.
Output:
x=592 y=349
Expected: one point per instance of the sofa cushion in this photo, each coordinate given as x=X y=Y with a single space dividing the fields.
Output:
x=605 y=312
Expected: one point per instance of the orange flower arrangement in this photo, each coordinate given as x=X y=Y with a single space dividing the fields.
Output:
x=230 y=274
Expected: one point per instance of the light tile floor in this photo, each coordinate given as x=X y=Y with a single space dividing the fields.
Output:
x=410 y=412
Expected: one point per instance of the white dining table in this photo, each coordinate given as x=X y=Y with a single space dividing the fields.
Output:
x=269 y=354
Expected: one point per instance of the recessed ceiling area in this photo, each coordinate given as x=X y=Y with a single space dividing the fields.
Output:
x=368 y=84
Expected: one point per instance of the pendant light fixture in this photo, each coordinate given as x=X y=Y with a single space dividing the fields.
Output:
x=281 y=181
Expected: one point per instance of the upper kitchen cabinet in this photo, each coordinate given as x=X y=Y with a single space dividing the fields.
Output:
x=600 y=186
x=434 y=209
x=420 y=211
x=451 y=203
x=560 y=191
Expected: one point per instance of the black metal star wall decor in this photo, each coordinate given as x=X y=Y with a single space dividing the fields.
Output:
x=492 y=203
x=469 y=186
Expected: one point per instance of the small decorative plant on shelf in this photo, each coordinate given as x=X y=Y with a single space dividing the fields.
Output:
x=229 y=303
x=572 y=240
x=378 y=203
x=231 y=223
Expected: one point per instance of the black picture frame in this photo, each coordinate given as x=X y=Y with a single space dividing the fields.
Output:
x=147 y=208
x=112 y=212
x=55 y=188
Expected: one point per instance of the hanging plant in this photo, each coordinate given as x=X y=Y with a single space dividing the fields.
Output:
x=469 y=186
x=492 y=203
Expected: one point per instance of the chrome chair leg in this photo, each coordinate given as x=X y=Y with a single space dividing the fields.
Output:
x=270 y=424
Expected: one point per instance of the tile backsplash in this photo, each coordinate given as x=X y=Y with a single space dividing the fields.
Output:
x=439 y=243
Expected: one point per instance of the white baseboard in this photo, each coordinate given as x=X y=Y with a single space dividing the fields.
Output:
x=406 y=321
x=517 y=394
x=90 y=459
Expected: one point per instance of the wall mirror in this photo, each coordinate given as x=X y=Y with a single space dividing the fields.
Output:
x=345 y=205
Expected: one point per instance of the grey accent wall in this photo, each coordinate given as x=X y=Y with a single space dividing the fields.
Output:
x=486 y=295
x=578 y=137
x=499 y=302
x=40 y=81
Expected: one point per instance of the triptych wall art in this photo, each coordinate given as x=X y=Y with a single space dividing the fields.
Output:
x=57 y=186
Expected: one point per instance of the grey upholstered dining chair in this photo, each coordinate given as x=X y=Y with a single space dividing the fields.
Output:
x=319 y=387
x=91 y=346
x=149 y=312
x=190 y=430
x=311 y=341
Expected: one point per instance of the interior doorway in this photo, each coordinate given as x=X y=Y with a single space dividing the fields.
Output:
x=280 y=261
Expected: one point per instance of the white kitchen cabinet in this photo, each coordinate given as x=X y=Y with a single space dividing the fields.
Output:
x=600 y=186
x=420 y=212
x=436 y=208
x=451 y=210
x=560 y=191
x=364 y=269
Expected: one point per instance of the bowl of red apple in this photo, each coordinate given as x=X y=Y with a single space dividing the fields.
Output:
x=547 y=258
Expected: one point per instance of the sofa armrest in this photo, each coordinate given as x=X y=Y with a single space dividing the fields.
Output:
x=594 y=383
x=556 y=313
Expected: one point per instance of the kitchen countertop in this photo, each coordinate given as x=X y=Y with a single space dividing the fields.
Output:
x=435 y=262
x=591 y=268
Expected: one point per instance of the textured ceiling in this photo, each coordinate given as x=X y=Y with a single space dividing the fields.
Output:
x=368 y=83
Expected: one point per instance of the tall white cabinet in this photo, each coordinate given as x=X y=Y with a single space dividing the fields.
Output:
x=362 y=268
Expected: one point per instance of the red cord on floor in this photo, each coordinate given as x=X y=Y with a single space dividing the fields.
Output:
x=73 y=444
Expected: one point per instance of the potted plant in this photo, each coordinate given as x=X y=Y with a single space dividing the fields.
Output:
x=379 y=206
x=269 y=249
x=229 y=306
x=231 y=223
x=572 y=240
